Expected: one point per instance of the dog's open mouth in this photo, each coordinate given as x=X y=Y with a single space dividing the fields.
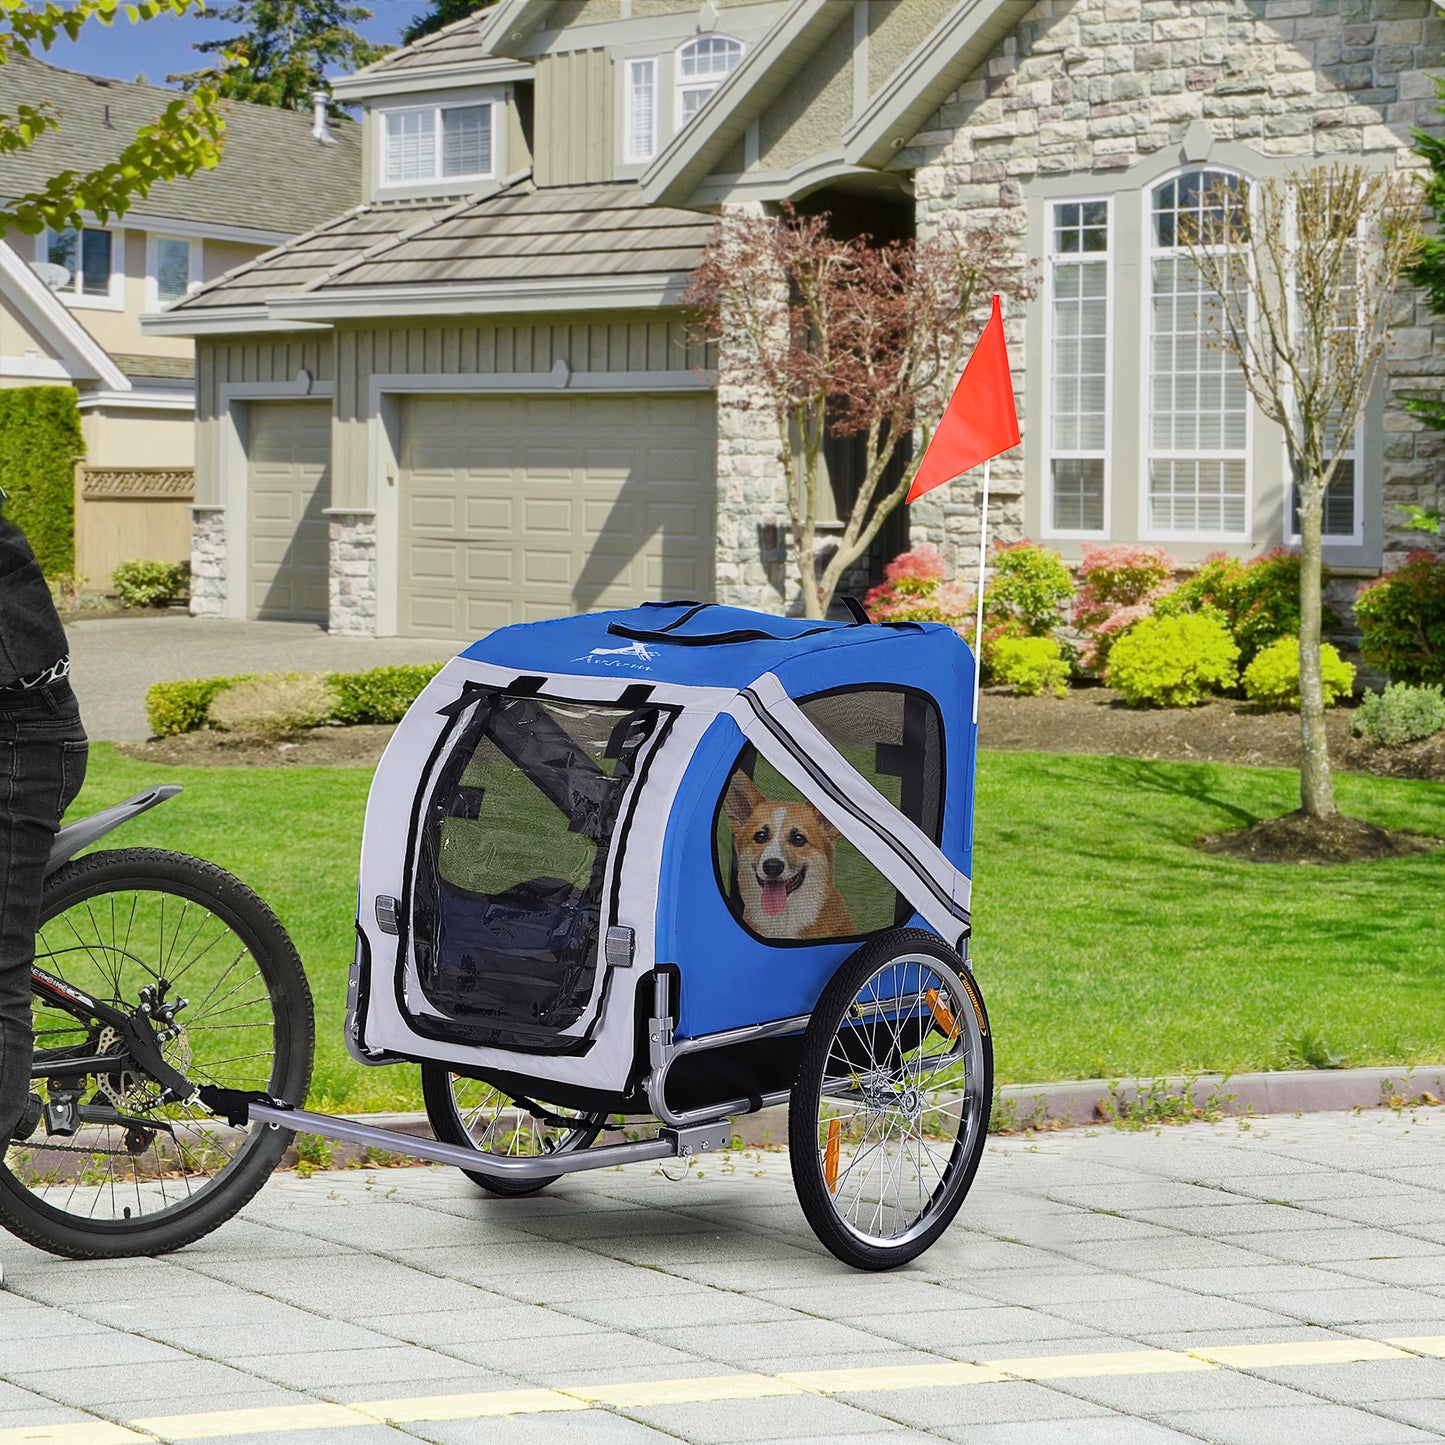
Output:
x=776 y=891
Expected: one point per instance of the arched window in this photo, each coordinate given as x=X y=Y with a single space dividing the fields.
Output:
x=702 y=65
x=1198 y=406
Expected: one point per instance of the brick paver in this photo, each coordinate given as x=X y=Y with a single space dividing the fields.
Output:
x=1272 y=1281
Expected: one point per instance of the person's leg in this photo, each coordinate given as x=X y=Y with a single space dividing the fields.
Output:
x=42 y=765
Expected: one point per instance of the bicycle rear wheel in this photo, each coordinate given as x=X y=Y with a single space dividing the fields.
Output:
x=112 y=1169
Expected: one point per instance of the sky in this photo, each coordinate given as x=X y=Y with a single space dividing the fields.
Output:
x=161 y=47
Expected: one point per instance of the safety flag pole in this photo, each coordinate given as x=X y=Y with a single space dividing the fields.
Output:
x=982 y=563
x=979 y=422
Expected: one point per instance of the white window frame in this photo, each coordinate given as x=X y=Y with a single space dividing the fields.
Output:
x=1354 y=453
x=633 y=69
x=436 y=182
x=1152 y=252
x=154 y=301
x=1054 y=259
x=682 y=85
x=114 y=299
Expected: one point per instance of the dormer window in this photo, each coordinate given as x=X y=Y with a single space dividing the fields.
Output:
x=436 y=143
x=702 y=65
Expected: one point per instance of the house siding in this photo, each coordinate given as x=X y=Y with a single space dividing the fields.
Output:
x=1088 y=98
x=811 y=115
x=896 y=31
x=574 y=116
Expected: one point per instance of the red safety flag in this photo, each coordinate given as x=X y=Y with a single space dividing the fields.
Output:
x=979 y=421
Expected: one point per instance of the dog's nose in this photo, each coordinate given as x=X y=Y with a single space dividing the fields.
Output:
x=772 y=867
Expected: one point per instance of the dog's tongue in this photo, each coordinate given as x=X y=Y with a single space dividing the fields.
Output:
x=775 y=896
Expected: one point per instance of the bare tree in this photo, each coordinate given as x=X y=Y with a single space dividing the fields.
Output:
x=843 y=338
x=1303 y=273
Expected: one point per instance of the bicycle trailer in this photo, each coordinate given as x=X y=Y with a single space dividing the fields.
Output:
x=627 y=876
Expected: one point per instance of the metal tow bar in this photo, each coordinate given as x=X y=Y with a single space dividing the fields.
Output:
x=669 y=1144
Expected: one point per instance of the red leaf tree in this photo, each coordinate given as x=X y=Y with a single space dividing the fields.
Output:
x=845 y=338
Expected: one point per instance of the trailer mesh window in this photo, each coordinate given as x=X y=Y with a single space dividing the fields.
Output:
x=787 y=875
x=508 y=899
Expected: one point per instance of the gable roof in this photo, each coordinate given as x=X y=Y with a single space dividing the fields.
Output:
x=514 y=249
x=895 y=112
x=457 y=49
x=84 y=357
x=274 y=175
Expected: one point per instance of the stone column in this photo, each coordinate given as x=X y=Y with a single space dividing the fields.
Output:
x=353 y=573
x=208 y=561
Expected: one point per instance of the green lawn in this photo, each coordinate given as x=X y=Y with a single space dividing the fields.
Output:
x=1105 y=944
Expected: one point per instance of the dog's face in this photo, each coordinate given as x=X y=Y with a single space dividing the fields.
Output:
x=785 y=861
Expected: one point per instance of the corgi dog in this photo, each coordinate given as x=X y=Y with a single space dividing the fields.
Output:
x=785 y=865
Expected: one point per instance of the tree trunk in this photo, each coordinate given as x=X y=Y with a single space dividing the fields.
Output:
x=1316 y=783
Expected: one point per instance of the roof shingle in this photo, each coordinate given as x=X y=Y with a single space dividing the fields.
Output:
x=273 y=175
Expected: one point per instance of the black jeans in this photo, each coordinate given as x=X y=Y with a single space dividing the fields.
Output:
x=42 y=765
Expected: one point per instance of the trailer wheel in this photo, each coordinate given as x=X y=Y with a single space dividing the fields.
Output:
x=473 y=1114
x=889 y=1113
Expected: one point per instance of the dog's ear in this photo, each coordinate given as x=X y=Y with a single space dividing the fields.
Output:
x=826 y=828
x=740 y=799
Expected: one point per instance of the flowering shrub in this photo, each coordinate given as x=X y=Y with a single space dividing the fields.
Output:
x=1402 y=620
x=1258 y=599
x=1272 y=679
x=1119 y=586
x=914 y=590
x=1172 y=661
x=1031 y=666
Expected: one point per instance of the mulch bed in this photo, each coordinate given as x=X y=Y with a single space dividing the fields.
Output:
x=1088 y=720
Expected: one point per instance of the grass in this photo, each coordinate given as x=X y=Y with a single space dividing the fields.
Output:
x=1105 y=945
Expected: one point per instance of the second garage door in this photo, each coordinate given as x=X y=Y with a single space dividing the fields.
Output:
x=515 y=509
x=289 y=451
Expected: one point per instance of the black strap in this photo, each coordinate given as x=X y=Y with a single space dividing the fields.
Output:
x=234 y=1105
x=856 y=611
x=669 y=633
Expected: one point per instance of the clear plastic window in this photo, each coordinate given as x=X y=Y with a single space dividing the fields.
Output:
x=786 y=873
x=508 y=902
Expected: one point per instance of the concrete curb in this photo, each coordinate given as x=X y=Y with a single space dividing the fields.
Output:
x=1080 y=1102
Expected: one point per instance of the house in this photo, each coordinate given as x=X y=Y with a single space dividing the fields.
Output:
x=480 y=372
x=71 y=301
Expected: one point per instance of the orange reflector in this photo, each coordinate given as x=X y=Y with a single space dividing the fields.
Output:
x=830 y=1154
x=942 y=1014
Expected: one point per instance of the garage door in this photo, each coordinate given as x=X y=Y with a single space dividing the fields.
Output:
x=288 y=557
x=515 y=509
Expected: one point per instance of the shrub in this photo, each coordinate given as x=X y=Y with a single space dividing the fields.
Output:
x=184 y=706
x=1031 y=666
x=1272 y=679
x=1118 y=588
x=1172 y=661
x=914 y=590
x=381 y=695
x=1400 y=714
x=40 y=440
x=1258 y=599
x=274 y=705
x=1030 y=584
x=151 y=584
x=1402 y=620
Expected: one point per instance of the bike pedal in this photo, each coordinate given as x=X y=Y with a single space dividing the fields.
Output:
x=29 y=1119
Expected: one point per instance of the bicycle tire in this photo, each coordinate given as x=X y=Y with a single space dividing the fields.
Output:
x=475 y=1119
x=890 y=1097
x=105 y=929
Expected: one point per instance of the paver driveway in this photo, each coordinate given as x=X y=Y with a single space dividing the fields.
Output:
x=1280 y=1282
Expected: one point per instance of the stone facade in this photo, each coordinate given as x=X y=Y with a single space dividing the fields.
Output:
x=353 y=574
x=1092 y=88
x=208 y=562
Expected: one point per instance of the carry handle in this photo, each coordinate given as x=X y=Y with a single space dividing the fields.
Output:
x=720 y=639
